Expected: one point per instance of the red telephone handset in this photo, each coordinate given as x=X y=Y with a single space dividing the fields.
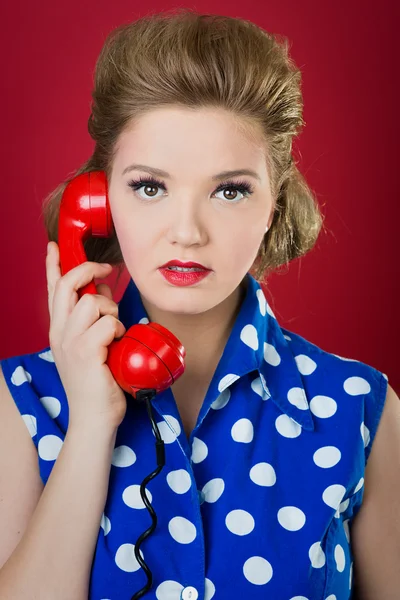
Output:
x=148 y=356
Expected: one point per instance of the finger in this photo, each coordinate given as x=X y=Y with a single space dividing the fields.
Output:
x=66 y=289
x=53 y=272
x=94 y=342
x=89 y=309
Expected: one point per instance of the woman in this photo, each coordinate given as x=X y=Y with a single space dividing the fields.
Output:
x=266 y=491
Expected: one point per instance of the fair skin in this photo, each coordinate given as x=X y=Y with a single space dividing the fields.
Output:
x=190 y=221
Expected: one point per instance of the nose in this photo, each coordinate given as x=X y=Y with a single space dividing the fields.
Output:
x=187 y=222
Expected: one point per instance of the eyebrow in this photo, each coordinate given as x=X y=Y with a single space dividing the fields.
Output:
x=217 y=177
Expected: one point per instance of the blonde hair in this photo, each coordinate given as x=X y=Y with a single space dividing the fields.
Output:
x=186 y=59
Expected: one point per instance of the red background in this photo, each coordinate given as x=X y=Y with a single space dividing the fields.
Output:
x=341 y=296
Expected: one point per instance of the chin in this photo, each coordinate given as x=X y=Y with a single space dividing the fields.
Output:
x=184 y=308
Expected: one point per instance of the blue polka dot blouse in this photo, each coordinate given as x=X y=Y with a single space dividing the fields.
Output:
x=258 y=503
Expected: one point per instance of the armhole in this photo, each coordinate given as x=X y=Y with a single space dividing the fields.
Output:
x=373 y=409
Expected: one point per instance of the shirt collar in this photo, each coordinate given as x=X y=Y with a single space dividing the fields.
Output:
x=256 y=343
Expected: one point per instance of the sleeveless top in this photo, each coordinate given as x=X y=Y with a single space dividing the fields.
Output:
x=259 y=502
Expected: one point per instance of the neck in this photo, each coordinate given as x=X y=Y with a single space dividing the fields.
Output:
x=204 y=336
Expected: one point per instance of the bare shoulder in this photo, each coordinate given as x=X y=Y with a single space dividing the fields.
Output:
x=375 y=532
x=20 y=482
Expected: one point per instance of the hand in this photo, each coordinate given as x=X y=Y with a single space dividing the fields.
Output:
x=81 y=329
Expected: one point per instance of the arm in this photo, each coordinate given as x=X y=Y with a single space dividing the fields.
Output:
x=54 y=557
x=375 y=533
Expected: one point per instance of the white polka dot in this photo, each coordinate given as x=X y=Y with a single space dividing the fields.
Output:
x=327 y=457
x=182 y=530
x=257 y=570
x=52 y=405
x=365 y=434
x=125 y=558
x=31 y=423
x=144 y=321
x=260 y=387
x=270 y=312
x=239 y=522
x=331 y=597
x=299 y=598
x=169 y=435
x=132 y=498
x=173 y=423
x=169 y=590
x=249 y=336
x=123 y=456
x=351 y=576
x=267 y=393
x=332 y=495
x=209 y=590
x=48 y=355
x=213 y=489
x=305 y=364
x=316 y=555
x=323 y=406
x=340 y=558
x=179 y=481
x=385 y=376
x=359 y=485
x=263 y=474
x=291 y=518
x=287 y=427
x=105 y=524
x=356 y=386
x=297 y=397
x=226 y=381
x=288 y=338
x=49 y=447
x=222 y=400
x=346 y=529
x=344 y=505
x=271 y=355
x=20 y=376
x=199 y=450
x=242 y=431
x=262 y=302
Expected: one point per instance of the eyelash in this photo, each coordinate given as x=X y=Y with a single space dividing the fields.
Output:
x=241 y=186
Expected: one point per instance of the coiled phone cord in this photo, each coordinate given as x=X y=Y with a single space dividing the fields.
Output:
x=147 y=395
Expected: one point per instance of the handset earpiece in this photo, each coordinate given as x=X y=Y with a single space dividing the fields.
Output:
x=84 y=212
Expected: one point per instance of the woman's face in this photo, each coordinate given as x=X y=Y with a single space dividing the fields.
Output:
x=183 y=216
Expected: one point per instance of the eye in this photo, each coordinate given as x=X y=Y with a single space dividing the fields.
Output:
x=242 y=186
x=150 y=183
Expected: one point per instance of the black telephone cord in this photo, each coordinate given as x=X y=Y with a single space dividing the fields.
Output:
x=147 y=395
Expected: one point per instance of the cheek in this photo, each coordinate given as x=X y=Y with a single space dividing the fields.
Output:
x=242 y=247
x=243 y=256
x=134 y=239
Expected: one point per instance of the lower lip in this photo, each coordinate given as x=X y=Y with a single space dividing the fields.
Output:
x=183 y=279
